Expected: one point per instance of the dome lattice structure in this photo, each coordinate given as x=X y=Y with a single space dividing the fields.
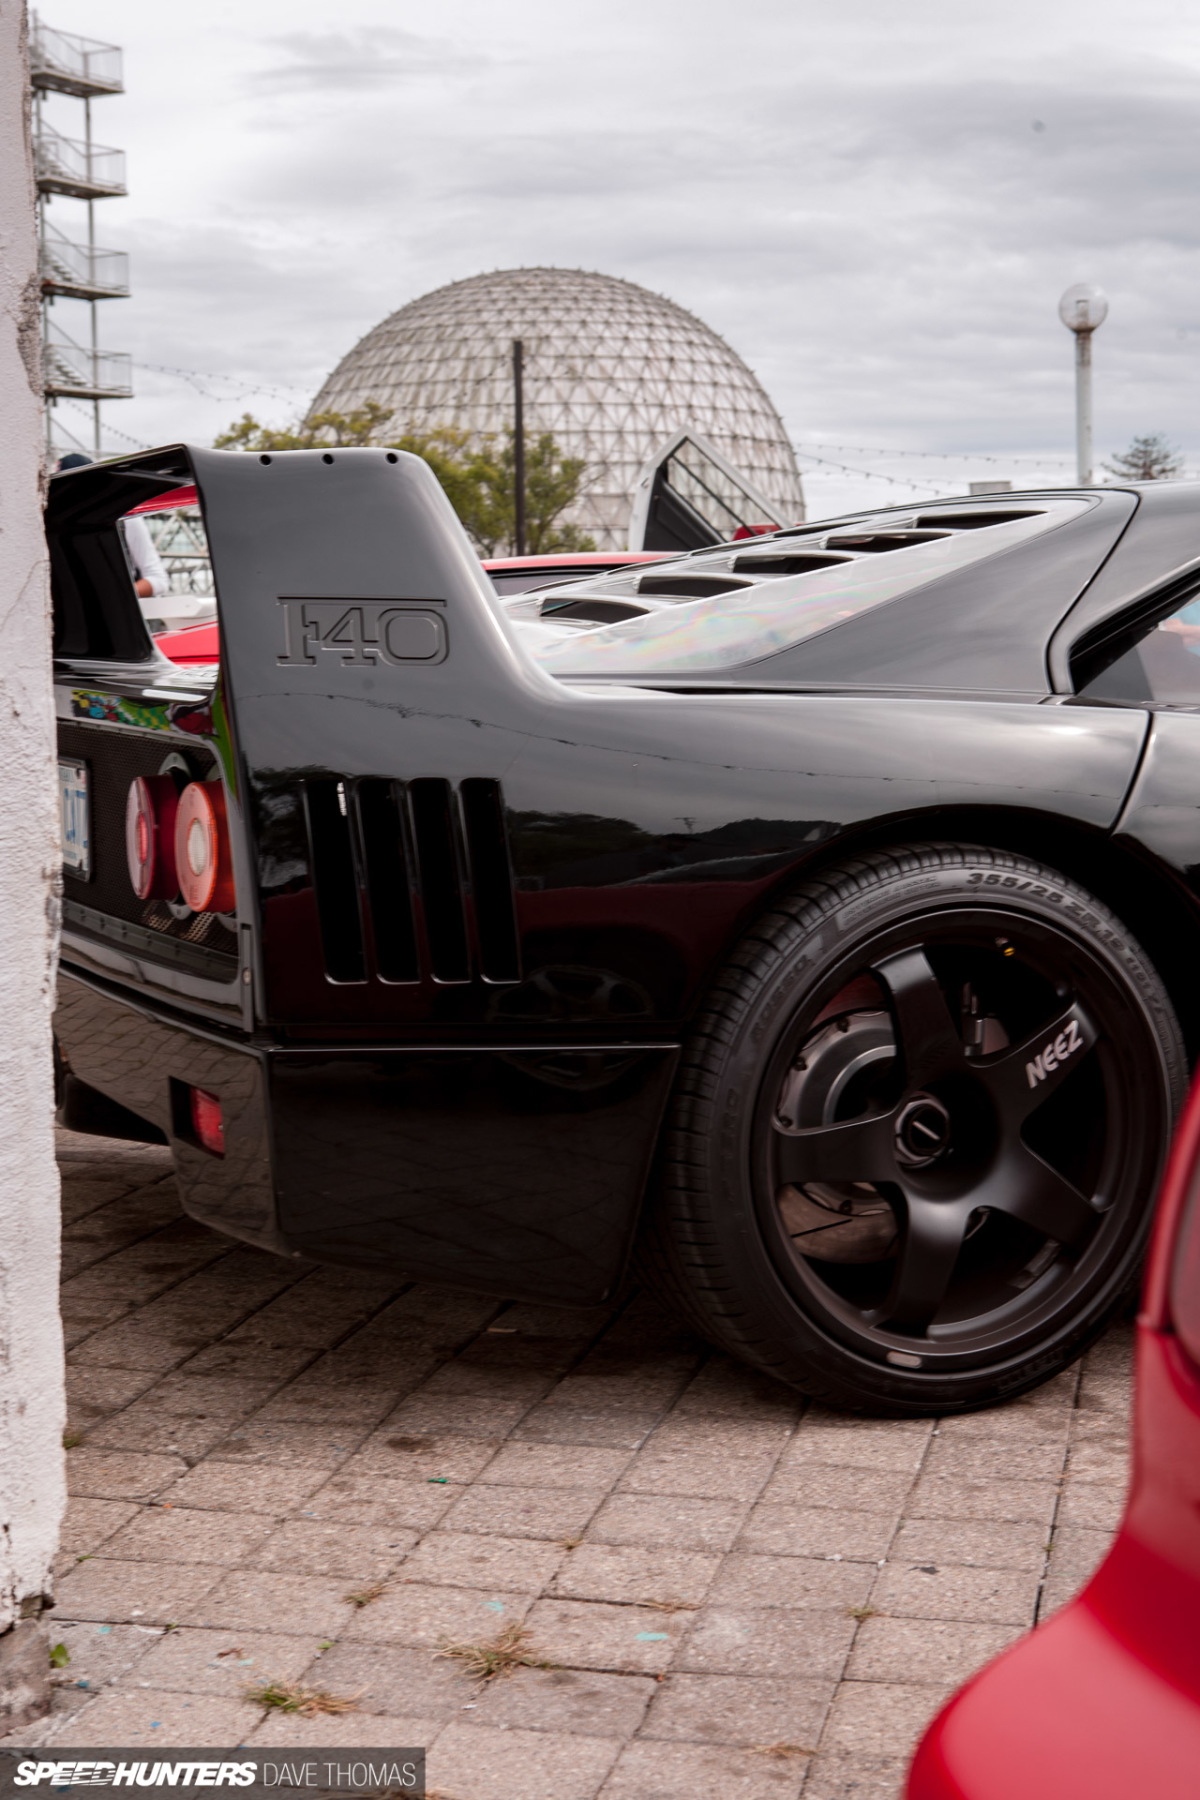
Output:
x=611 y=370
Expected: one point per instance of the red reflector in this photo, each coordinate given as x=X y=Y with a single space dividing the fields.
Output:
x=202 y=860
x=207 y=1123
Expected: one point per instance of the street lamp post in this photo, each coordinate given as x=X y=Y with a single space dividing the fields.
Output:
x=1083 y=309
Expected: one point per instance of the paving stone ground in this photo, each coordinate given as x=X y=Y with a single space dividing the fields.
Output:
x=312 y=1474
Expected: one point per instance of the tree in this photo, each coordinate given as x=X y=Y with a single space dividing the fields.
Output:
x=479 y=480
x=362 y=426
x=552 y=482
x=1150 y=458
x=31 y=1393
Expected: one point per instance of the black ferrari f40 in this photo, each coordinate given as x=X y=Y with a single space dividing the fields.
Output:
x=811 y=920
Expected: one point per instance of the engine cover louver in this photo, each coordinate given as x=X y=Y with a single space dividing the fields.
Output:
x=412 y=879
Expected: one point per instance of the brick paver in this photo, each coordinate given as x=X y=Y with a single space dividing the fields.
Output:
x=312 y=1474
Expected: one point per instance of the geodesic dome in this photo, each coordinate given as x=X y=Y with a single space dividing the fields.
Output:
x=611 y=370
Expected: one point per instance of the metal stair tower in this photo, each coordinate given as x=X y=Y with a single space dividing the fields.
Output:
x=78 y=167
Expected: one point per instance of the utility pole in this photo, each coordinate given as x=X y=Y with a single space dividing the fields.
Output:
x=1083 y=309
x=31 y=1350
x=518 y=363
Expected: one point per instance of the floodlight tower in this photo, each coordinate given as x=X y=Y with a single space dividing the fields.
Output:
x=1083 y=309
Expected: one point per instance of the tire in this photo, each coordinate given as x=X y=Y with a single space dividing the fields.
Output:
x=916 y=1135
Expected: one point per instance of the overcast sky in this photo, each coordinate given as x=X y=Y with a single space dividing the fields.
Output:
x=878 y=206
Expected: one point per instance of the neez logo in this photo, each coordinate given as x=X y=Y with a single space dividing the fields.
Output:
x=1055 y=1054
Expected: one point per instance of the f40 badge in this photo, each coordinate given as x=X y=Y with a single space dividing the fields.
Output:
x=363 y=633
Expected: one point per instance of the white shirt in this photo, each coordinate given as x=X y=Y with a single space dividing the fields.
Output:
x=147 y=563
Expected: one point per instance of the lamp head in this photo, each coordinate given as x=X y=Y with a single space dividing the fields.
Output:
x=1083 y=307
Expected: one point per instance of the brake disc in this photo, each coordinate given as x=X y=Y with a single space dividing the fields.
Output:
x=839 y=1064
x=837 y=1075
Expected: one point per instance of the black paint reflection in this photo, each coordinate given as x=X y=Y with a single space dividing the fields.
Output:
x=510 y=1171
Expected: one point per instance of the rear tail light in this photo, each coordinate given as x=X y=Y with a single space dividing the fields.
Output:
x=150 y=809
x=202 y=860
x=207 y=1122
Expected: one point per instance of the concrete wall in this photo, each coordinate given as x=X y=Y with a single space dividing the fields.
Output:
x=31 y=1362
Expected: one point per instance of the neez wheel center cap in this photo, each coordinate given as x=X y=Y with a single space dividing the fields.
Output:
x=922 y=1132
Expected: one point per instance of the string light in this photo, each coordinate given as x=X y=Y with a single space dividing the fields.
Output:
x=200 y=380
x=109 y=430
x=942 y=455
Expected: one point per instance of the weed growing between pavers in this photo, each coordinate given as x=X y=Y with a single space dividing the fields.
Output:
x=510 y=1649
x=289 y=1697
x=364 y=1596
x=782 y=1751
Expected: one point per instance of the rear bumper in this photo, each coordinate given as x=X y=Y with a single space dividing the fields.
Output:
x=507 y=1168
x=134 y=1053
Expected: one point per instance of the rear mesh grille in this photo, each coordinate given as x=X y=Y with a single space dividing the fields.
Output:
x=412 y=879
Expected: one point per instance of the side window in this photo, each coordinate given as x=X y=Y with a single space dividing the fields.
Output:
x=1163 y=666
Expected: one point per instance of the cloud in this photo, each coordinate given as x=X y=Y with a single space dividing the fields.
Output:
x=344 y=62
x=856 y=198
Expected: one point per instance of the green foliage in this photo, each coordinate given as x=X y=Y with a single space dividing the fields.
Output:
x=1150 y=458
x=60 y=1656
x=479 y=482
x=319 y=431
x=552 y=482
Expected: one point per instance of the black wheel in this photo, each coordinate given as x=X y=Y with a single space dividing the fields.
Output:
x=916 y=1136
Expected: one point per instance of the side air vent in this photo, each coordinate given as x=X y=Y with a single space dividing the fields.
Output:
x=491 y=881
x=381 y=823
x=412 y=879
x=974 y=521
x=335 y=880
x=440 y=881
x=800 y=562
x=867 y=543
x=601 y=612
x=688 y=587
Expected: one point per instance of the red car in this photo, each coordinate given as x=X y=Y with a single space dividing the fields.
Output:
x=1103 y=1702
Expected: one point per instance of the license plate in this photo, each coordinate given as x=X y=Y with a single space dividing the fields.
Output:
x=74 y=813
